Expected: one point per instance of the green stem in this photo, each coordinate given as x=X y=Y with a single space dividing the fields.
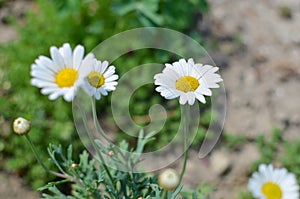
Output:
x=164 y=194
x=100 y=155
x=36 y=154
x=186 y=111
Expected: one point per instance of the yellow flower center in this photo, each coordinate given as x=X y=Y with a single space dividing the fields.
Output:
x=66 y=77
x=272 y=190
x=187 y=84
x=96 y=79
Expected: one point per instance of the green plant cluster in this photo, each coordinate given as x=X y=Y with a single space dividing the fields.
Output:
x=269 y=148
x=89 y=178
x=86 y=22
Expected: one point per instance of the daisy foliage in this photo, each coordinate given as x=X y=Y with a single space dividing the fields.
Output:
x=273 y=183
x=187 y=81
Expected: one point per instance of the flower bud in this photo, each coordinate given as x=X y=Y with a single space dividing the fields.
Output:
x=73 y=166
x=111 y=153
x=21 y=126
x=168 y=179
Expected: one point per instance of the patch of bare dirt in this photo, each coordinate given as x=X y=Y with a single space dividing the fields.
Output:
x=258 y=52
x=14 y=187
x=262 y=81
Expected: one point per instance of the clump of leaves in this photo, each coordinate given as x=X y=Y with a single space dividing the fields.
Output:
x=90 y=178
x=280 y=150
x=234 y=141
x=268 y=148
x=290 y=158
x=245 y=195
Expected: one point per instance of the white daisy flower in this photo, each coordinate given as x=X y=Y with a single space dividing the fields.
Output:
x=187 y=80
x=59 y=75
x=272 y=183
x=99 y=78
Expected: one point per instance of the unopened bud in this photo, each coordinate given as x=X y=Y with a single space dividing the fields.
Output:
x=73 y=165
x=111 y=153
x=168 y=179
x=21 y=126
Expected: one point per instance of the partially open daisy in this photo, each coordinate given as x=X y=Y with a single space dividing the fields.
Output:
x=272 y=183
x=99 y=78
x=59 y=75
x=187 y=80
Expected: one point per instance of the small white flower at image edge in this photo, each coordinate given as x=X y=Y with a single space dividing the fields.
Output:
x=187 y=81
x=273 y=183
x=99 y=78
x=59 y=75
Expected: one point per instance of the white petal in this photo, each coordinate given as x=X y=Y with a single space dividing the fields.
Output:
x=203 y=69
x=42 y=75
x=213 y=70
x=69 y=95
x=57 y=58
x=78 y=56
x=97 y=95
x=203 y=91
x=185 y=67
x=200 y=97
x=54 y=95
x=103 y=91
x=87 y=67
x=104 y=66
x=47 y=91
x=191 y=61
x=46 y=63
x=40 y=84
x=168 y=93
x=111 y=78
x=89 y=56
x=183 y=99
x=66 y=52
x=109 y=71
x=191 y=98
x=111 y=84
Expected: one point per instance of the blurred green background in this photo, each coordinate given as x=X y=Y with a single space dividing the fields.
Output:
x=86 y=22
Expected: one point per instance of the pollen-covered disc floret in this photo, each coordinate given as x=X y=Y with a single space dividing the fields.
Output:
x=187 y=80
x=273 y=183
x=99 y=78
x=58 y=75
